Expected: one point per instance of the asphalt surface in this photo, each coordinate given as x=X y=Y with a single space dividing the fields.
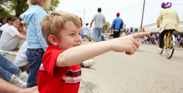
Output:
x=144 y=72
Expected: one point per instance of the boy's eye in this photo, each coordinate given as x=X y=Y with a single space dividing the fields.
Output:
x=80 y=33
x=72 y=34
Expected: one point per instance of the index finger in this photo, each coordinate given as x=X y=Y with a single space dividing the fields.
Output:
x=137 y=35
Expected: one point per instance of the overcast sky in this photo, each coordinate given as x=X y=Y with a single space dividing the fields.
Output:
x=130 y=10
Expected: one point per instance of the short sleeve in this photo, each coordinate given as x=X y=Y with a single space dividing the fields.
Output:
x=94 y=17
x=12 y=31
x=49 y=61
x=104 y=18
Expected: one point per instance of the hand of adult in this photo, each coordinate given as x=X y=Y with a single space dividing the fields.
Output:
x=29 y=90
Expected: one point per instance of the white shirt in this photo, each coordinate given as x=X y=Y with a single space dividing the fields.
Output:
x=5 y=26
x=90 y=31
x=8 y=34
x=20 y=59
x=86 y=30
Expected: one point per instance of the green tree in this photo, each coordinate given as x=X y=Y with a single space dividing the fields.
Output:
x=54 y=4
x=20 y=6
x=106 y=25
x=3 y=12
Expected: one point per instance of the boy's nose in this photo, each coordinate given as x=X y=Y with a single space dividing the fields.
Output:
x=78 y=38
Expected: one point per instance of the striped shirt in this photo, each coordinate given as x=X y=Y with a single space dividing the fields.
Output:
x=53 y=79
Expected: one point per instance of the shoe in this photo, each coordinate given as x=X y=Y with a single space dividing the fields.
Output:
x=159 y=49
x=88 y=63
x=16 y=81
x=23 y=76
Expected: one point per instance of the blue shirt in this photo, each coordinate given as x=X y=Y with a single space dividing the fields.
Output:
x=32 y=17
x=131 y=31
x=117 y=23
x=178 y=37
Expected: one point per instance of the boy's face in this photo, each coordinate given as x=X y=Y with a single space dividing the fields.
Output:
x=70 y=36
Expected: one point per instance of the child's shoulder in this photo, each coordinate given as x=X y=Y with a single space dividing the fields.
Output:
x=52 y=50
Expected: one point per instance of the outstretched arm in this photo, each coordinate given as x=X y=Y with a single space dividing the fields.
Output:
x=76 y=55
x=21 y=36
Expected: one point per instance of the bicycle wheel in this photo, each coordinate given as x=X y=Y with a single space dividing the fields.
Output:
x=160 y=51
x=170 y=47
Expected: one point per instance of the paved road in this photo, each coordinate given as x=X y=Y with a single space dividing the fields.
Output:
x=144 y=72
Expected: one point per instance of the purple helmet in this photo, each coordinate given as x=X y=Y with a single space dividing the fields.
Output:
x=166 y=5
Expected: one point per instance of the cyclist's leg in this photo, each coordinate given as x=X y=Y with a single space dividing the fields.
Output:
x=161 y=39
x=173 y=38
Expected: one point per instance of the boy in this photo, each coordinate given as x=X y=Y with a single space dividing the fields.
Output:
x=36 y=44
x=60 y=71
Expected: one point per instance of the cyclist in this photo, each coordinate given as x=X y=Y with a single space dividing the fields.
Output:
x=170 y=22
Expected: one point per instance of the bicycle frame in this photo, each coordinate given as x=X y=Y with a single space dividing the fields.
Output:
x=166 y=39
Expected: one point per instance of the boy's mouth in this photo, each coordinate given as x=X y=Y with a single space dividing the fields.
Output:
x=76 y=45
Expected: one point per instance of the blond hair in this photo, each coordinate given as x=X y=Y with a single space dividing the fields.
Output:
x=54 y=22
x=44 y=3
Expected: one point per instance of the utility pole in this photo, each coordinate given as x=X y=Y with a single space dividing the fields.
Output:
x=142 y=15
x=84 y=16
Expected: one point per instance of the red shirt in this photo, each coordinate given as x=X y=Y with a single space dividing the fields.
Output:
x=53 y=79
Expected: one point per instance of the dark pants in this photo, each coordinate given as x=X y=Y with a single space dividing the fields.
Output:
x=81 y=64
x=116 y=34
x=161 y=37
x=34 y=57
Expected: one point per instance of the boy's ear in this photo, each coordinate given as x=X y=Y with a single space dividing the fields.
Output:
x=53 y=40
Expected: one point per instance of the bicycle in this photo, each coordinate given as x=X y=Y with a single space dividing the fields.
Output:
x=169 y=44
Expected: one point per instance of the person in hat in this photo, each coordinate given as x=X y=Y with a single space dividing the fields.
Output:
x=169 y=22
x=117 y=25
